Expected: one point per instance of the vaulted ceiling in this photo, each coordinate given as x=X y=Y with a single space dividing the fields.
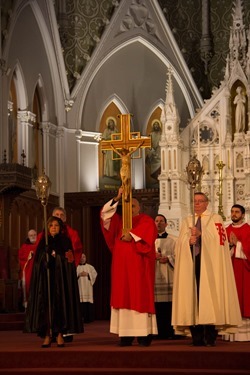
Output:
x=81 y=24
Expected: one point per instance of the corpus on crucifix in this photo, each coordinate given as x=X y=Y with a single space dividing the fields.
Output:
x=124 y=144
x=125 y=171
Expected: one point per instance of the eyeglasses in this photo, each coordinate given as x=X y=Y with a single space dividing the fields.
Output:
x=200 y=201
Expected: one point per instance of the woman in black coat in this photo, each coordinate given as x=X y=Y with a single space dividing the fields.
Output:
x=64 y=294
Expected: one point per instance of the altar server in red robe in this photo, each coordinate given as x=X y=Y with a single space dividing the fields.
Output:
x=71 y=233
x=239 y=240
x=132 y=273
x=26 y=258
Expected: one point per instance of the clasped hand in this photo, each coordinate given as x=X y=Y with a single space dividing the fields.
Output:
x=126 y=237
x=195 y=233
x=163 y=260
x=233 y=239
x=83 y=273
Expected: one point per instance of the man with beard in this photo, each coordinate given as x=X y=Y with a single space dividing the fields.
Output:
x=239 y=241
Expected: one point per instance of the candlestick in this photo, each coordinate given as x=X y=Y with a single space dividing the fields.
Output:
x=220 y=166
x=42 y=186
x=198 y=140
x=194 y=175
x=220 y=143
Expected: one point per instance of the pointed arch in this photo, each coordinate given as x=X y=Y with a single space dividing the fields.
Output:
x=153 y=155
x=18 y=98
x=109 y=124
x=44 y=105
x=21 y=91
x=153 y=113
x=112 y=102
x=88 y=77
x=41 y=110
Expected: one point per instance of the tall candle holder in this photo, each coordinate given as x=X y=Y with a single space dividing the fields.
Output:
x=194 y=174
x=43 y=185
x=220 y=166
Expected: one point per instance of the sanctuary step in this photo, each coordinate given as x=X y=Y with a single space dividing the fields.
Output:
x=96 y=351
x=11 y=321
x=121 y=371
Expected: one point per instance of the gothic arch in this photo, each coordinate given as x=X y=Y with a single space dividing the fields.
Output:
x=88 y=77
x=40 y=90
x=117 y=104
x=109 y=124
x=21 y=92
x=18 y=98
x=40 y=109
x=153 y=155
x=154 y=112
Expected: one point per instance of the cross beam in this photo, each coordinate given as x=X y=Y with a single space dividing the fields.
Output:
x=125 y=144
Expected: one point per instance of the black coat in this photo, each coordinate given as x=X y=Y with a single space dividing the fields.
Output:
x=64 y=294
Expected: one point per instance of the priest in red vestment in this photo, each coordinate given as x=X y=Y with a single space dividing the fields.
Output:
x=239 y=240
x=26 y=258
x=132 y=273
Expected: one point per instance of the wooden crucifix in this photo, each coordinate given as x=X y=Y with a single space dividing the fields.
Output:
x=124 y=144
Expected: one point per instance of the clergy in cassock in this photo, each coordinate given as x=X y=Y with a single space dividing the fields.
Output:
x=132 y=273
x=205 y=302
x=86 y=275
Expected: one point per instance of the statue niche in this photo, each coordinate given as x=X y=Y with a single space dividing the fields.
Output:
x=239 y=110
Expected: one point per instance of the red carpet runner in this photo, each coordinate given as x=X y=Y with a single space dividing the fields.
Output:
x=96 y=352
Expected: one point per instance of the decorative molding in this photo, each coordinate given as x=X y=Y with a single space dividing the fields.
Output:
x=26 y=116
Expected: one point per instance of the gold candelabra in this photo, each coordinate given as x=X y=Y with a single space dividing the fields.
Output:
x=220 y=166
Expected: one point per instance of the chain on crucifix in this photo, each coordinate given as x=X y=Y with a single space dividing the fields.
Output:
x=124 y=144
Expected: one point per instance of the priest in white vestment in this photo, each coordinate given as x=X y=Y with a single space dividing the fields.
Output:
x=205 y=302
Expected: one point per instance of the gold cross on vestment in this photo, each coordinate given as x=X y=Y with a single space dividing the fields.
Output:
x=124 y=144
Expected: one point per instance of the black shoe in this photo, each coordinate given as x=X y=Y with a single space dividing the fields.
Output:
x=47 y=342
x=126 y=341
x=198 y=343
x=68 y=338
x=144 y=340
x=210 y=344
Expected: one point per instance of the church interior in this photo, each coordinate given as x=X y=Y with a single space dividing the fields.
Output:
x=71 y=70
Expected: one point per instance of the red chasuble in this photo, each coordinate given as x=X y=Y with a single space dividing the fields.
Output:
x=242 y=267
x=133 y=264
